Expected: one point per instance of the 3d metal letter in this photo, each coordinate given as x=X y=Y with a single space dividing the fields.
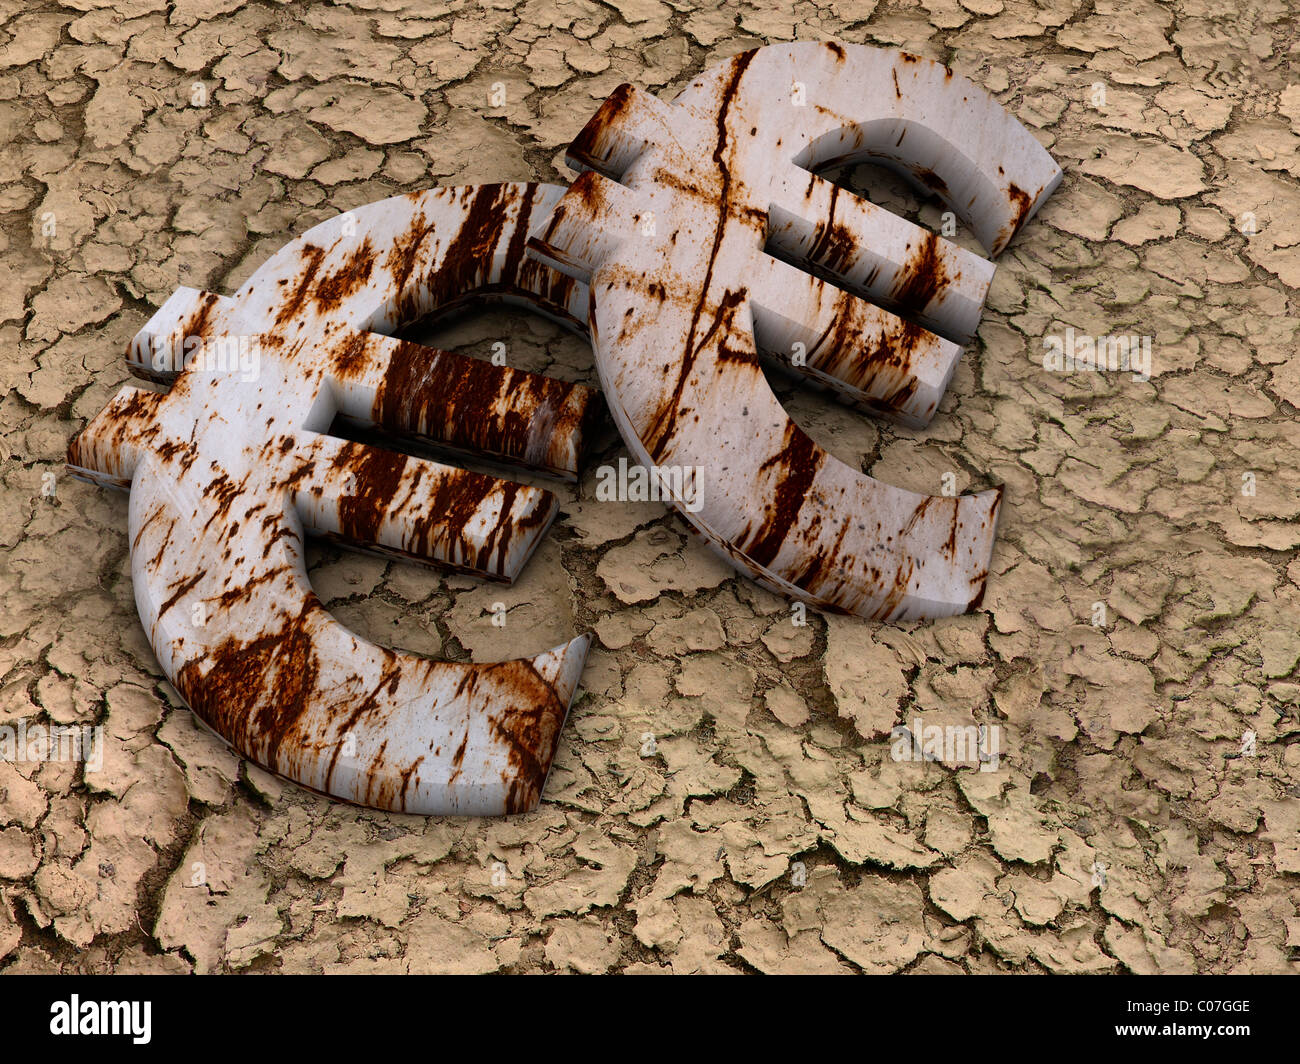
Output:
x=706 y=237
x=229 y=468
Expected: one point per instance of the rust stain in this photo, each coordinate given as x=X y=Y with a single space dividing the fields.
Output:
x=464 y=264
x=923 y=279
x=348 y=279
x=930 y=179
x=200 y=322
x=661 y=423
x=375 y=476
x=836 y=245
x=528 y=729
x=255 y=692
x=475 y=406
x=1021 y=202
x=291 y=308
x=795 y=467
x=586 y=146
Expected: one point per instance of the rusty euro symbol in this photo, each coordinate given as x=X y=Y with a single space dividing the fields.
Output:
x=706 y=238
x=231 y=466
x=698 y=237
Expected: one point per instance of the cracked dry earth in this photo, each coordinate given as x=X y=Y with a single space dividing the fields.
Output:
x=724 y=798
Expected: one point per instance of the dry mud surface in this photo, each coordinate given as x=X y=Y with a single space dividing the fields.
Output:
x=724 y=799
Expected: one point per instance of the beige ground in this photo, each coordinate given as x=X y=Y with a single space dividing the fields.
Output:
x=1123 y=743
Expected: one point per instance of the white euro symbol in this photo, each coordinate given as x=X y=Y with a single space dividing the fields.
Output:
x=750 y=252
x=231 y=467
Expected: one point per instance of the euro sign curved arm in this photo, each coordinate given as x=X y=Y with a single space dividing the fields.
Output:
x=231 y=467
x=705 y=239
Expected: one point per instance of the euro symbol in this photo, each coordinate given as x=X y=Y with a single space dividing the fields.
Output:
x=750 y=252
x=229 y=468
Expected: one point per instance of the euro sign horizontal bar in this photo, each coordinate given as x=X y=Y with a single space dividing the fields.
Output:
x=231 y=467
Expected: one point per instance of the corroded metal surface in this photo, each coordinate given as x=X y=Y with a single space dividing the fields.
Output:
x=681 y=225
x=230 y=467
